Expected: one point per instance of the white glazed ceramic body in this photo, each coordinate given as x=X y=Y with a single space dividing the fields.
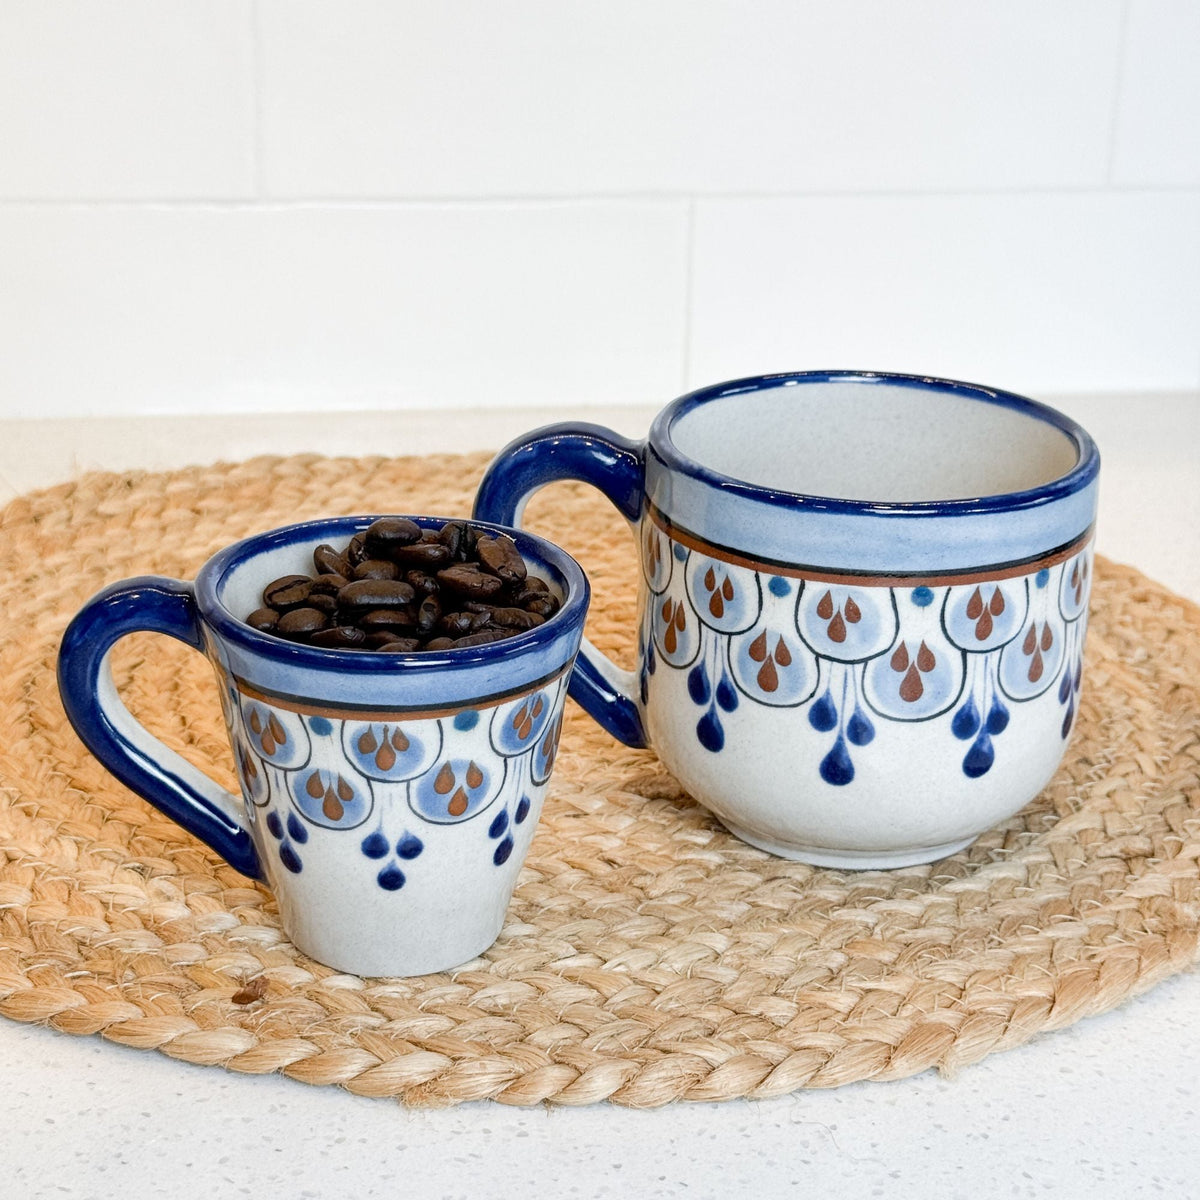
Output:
x=862 y=607
x=388 y=799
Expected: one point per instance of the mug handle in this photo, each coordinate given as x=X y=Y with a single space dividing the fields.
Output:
x=616 y=466
x=122 y=744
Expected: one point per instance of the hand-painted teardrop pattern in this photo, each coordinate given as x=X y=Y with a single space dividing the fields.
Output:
x=723 y=596
x=984 y=616
x=391 y=751
x=846 y=623
x=278 y=736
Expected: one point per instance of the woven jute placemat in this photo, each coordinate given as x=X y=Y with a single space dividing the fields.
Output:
x=649 y=956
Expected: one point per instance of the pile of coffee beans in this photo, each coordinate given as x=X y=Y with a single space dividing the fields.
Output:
x=399 y=588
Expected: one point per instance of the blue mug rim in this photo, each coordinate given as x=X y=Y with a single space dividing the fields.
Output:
x=1086 y=468
x=230 y=627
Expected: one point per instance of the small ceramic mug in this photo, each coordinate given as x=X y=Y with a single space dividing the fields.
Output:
x=863 y=600
x=388 y=800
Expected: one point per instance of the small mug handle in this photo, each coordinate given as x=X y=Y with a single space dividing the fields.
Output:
x=616 y=466
x=123 y=745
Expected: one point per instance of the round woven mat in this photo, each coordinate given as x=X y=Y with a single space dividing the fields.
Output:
x=649 y=956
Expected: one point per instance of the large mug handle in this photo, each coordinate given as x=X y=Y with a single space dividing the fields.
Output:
x=616 y=466
x=123 y=745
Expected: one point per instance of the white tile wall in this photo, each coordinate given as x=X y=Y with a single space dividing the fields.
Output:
x=125 y=98
x=1041 y=293
x=270 y=204
x=446 y=97
x=159 y=310
x=1158 y=124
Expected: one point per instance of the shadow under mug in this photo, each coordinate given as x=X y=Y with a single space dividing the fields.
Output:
x=388 y=800
x=862 y=602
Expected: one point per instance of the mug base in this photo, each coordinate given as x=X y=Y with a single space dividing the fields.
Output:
x=853 y=860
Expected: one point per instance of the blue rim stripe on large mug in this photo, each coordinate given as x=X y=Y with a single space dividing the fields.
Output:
x=862 y=605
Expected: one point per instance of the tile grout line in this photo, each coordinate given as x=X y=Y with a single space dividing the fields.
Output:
x=1114 y=115
x=689 y=277
x=258 y=165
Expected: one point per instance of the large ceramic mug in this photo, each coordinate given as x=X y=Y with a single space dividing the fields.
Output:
x=387 y=799
x=862 y=608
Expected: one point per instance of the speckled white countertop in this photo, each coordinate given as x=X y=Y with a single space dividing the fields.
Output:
x=1106 y=1108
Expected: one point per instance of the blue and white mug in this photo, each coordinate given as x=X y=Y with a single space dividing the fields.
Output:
x=863 y=600
x=388 y=800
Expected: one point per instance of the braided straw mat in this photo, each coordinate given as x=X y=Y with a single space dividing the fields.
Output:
x=649 y=956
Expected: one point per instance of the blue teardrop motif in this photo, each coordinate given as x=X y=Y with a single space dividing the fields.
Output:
x=859 y=728
x=710 y=733
x=409 y=846
x=522 y=810
x=274 y=824
x=726 y=695
x=651 y=658
x=499 y=824
x=823 y=715
x=290 y=858
x=1068 y=719
x=644 y=685
x=296 y=829
x=997 y=718
x=836 y=767
x=698 y=684
x=1064 y=688
x=374 y=845
x=391 y=879
x=979 y=758
x=503 y=851
x=966 y=720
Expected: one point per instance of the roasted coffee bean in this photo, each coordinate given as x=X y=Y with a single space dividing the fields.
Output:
x=340 y=637
x=428 y=613
x=330 y=585
x=324 y=602
x=458 y=624
x=263 y=619
x=329 y=562
x=376 y=568
x=356 y=552
x=440 y=643
x=544 y=606
x=423 y=554
x=400 y=646
x=290 y=591
x=301 y=622
x=516 y=618
x=468 y=580
x=482 y=637
x=376 y=593
x=387 y=618
x=389 y=534
x=500 y=555
x=423 y=583
x=430 y=535
x=380 y=638
x=451 y=536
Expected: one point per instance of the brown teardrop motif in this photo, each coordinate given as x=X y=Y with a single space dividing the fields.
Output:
x=996 y=603
x=268 y=743
x=851 y=610
x=926 y=660
x=518 y=718
x=669 y=638
x=344 y=790
x=825 y=606
x=248 y=767
x=458 y=804
x=710 y=579
x=1030 y=643
x=727 y=588
x=332 y=808
x=314 y=787
x=974 y=606
x=539 y=706
x=983 y=627
x=1075 y=575
x=716 y=605
x=255 y=721
x=1047 y=637
x=526 y=726
x=276 y=730
x=385 y=758
x=367 y=743
x=758 y=647
x=768 y=677
x=680 y=619
x=474 y=776
x=837 y=628
x=667 y=608
x=783 y=656
x=444 y=783
x=900 y=658
x=1035 y=667
x=911 y=687
x=399 y=740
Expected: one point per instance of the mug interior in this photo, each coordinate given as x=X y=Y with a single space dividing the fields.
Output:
x=874 y=439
